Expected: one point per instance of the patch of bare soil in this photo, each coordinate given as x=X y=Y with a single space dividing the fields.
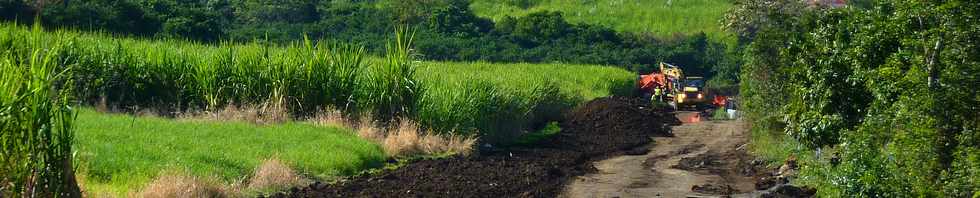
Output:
x=599 y=129
x=729 y=164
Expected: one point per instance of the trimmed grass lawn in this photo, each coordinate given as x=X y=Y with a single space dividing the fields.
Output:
x=118 y=154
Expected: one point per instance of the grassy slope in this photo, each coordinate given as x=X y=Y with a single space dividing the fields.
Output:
x=120 y=153
x=655 y=16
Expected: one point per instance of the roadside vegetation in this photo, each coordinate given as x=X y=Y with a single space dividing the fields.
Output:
x=877 y=99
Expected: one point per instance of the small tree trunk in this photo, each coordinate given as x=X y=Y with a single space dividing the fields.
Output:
x=70 y=184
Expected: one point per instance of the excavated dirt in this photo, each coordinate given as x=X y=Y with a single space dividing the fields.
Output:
x=714 y=189
x=727 y=164
x=597 y=130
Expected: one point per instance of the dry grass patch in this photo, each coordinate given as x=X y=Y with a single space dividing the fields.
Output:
x=332 y=117
x=275 y=175
x=271 y=176
x=265 y=113
x=407 y=139
x=180 y=185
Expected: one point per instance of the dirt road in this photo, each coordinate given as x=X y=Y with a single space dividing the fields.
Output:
x=706 y=154
x=699 y=159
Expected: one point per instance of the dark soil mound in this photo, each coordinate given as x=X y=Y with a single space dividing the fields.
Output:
x=596 y=130
x=610 y=125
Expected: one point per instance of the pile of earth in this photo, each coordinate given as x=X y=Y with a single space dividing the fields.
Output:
x=596 y=130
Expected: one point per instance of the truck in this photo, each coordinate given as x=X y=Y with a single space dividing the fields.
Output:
x=692 y=94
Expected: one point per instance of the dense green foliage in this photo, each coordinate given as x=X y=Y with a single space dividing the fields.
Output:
x=37 y=126
x=890 y=85
x=120 y=153
x=446 y=29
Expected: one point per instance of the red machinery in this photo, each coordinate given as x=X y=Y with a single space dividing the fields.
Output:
x=649 y=82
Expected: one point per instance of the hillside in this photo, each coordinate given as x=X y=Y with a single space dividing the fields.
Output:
x=655 y=16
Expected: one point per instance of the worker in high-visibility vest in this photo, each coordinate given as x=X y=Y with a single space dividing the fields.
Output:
x=658 y=94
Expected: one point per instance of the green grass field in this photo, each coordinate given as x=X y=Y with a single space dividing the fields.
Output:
x=584 y=82
x=119 y=153
x=654 y=16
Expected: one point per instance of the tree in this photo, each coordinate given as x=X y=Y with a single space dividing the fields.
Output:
x=540 y=27
x=457 y=19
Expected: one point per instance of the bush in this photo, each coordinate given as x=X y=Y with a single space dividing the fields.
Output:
x=900 y=118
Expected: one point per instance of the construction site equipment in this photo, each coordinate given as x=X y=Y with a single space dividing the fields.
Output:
x=669 y=85
x=693 y=94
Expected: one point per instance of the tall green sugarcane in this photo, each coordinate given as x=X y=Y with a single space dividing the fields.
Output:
x=36 y=123
x=394 y=89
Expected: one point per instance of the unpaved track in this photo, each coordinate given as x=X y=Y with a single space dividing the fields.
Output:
x=653 y=174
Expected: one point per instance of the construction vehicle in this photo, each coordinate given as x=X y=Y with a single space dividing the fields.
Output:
x=692 y=94
x=669 y=85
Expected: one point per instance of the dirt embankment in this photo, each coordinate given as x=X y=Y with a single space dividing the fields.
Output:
x=597 y=130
